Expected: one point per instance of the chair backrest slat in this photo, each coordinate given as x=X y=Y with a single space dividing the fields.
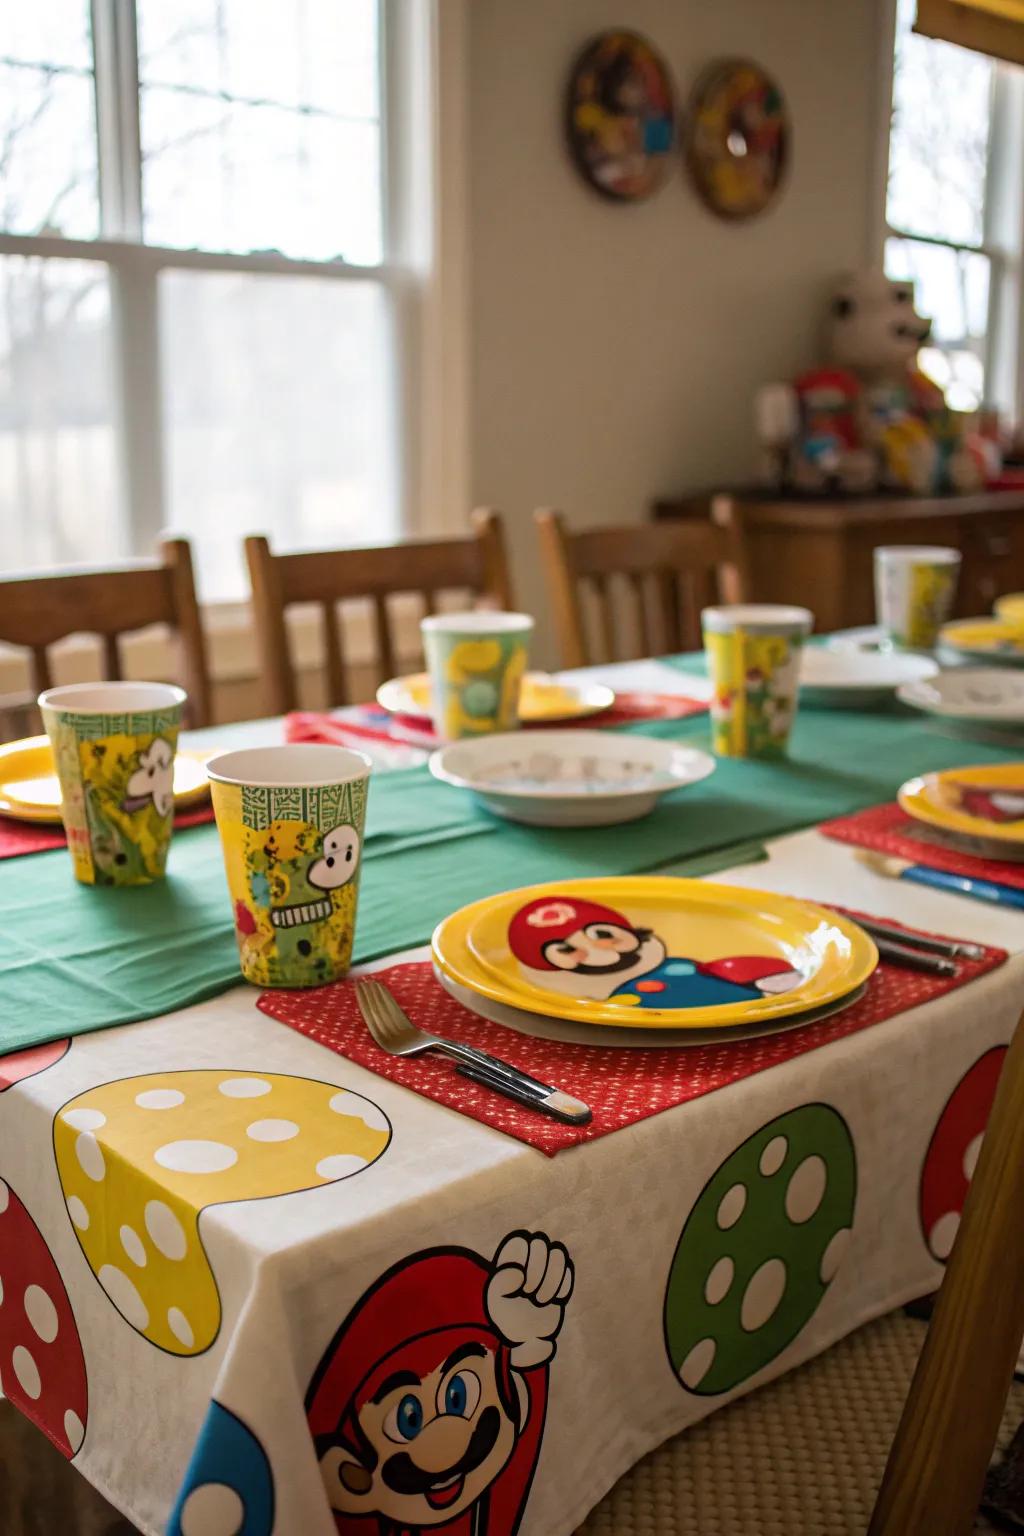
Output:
x=692 y=563
x=476 y=564
x=333 y=661
x=37 y=611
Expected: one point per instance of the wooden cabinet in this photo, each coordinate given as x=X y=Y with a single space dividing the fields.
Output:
x=819 y=553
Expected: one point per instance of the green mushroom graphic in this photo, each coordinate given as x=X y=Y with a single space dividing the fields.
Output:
x=760 y=1248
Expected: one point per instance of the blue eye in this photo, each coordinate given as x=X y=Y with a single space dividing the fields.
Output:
x=455 y=1397
x=409 y=1418
x=460 y=1395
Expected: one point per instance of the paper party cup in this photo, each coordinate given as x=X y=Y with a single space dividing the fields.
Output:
x=476 y=663
x=914 y=587
x=291 y=826
x=754 y=654
x=114 y=745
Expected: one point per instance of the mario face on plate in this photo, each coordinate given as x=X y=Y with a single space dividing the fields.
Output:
x=585 y=950
x=990 y=802
x=428 y=1407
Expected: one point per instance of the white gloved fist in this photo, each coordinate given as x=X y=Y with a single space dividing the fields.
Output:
x=527 y=1293
x=785 y=981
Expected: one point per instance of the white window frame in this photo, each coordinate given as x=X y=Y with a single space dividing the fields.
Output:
x=422 y=63
x=1002 y=239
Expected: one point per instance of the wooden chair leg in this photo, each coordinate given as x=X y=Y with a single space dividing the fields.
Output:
x=949 y=1424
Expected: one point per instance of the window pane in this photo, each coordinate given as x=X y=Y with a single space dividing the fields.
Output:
x=59 y=483
x=261 y=126
x=938 y=148
x=952 y=289
x=277 y=415
x=48 y=169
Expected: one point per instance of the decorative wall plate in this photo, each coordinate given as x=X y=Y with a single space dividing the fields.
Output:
x=737 y=138
x=620 y=115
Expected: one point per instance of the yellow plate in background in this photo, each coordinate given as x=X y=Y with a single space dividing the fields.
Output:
x=706 y=946
x=987 y=639
x=29 y=790
x=983 y=802
x=1010 y=608
x=541 y=698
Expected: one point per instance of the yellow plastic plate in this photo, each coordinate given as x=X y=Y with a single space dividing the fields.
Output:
x=29 y=790
x=541 y=698
x=1010 y=608
x=986 y=802
x=652 y=952
x=987 y=639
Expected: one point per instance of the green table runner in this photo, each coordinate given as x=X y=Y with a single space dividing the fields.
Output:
x=76 y=959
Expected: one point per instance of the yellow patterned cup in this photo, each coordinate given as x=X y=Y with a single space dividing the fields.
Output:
x=114 y=745
x=291 y=828
x=753 y=652
x=914 y=588
x=476 y=663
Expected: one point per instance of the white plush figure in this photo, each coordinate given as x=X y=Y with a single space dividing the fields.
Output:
x=873 y=327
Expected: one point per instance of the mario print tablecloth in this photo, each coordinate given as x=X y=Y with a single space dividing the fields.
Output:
x=249 y=1286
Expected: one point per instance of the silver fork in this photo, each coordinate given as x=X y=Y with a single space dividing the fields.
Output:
x=395 y=1032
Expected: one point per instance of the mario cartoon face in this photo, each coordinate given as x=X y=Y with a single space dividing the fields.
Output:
x=153 y=779
x=584 y=950
x=428 y=1407
x=991 y=804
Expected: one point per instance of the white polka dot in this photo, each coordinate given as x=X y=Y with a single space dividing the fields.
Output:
x=196 y=1156
x=719 y=1280
x=697 y=1363
x=732 y=1206
x=124 y=1295
x=179 y=1325
x=340 y=1165
x=74 y=1429
x=773 y=1156
x=764 y=1291
x=834 y=1255
x=806 y=1189
x=27 y=1372
x=272 y=1130
x=133 y=1246
x=943 y=1235
x=166 y=1230
x=244 y=1088
x=78 y=1213
x=4 y=1196
x=345 y=1103
x=84 y=1119
x=971 y=1156
x=212 y=1510
x=90 y=1156
x=41 y=1313
x=159 y=1098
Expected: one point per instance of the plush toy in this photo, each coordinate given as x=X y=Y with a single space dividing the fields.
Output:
x=870 y=419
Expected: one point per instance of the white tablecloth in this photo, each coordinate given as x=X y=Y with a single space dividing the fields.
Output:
x=653 y=1282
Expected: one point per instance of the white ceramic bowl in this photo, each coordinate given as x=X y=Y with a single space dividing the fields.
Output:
x=570 y=778
x=982 y=695
x=858 y=679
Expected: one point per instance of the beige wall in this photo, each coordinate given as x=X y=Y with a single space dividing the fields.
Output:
x=615 y=349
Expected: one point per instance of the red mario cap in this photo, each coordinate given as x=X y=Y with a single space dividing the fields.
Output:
x=550 y=918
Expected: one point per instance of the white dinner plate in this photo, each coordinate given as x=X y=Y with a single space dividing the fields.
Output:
x=567 y=1032
x=982 y=695
x=574 y=778
x=858 y=679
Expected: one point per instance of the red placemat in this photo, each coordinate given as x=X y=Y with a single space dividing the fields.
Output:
x=18 y=837
x=620 y=1085
x=887 y=829
x=344 y=727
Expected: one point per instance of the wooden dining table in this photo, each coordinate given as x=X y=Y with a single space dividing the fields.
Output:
x=253 y=1284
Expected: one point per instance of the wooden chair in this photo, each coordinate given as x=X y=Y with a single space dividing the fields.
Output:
x=326 y=577
x=672 y=569
x=37 y=611
x=796 y=1459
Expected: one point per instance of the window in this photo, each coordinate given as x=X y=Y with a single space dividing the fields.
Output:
x=200 y=318
x=946 y=211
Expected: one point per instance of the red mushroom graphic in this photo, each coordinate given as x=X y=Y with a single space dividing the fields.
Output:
x=953 y=1152
x=15 y=1067
x=42 y=1368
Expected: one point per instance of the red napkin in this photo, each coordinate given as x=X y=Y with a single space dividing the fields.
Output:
x=18 y=837
x=887 y=829
x=621 y=1085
